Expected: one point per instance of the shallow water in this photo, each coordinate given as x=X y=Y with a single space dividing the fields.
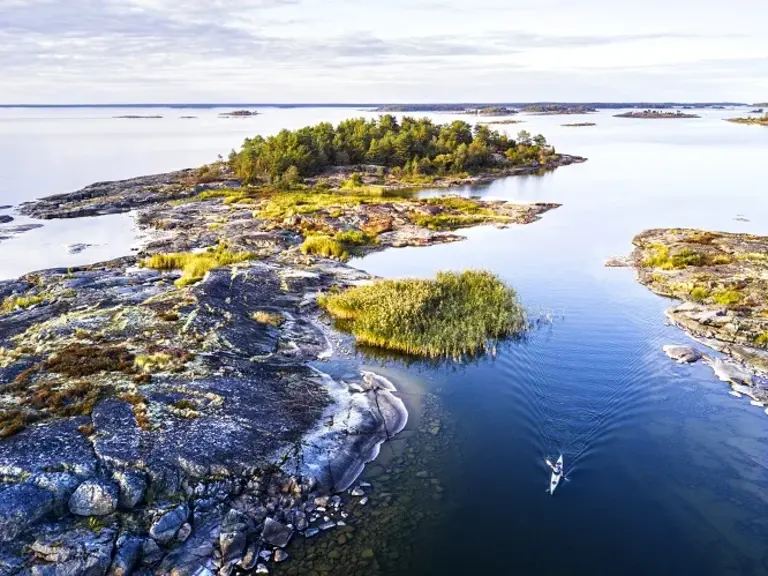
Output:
x=667 y=472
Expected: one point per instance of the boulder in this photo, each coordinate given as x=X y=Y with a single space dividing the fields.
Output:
x=682 y=354
x=61 y=485
x=232 y=538
x=21 y=506
x=194 y=556
x=94 y=498
x=132 y=485
x=4 y=218
x=126 y=556
x=276 y=533
x=164 y=529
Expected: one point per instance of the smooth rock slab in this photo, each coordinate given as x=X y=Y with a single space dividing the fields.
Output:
x=94 y=498
x=21 y=506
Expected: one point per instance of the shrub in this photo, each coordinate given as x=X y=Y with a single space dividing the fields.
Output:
x=699 y=294
x=452 y=316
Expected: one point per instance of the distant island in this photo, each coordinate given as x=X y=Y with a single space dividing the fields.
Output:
x=557 y=109
x=136 y=117
x=505 y=121
x=760 y=120
x=578 y=124
x=186 y=117
x=656 y=114
x=757 y=111
x=239 y=114
x=493 y=111
x=423 y=108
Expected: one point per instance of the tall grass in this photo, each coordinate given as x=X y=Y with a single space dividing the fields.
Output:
x=455 y=315
x=321 y=245
x=195 y=266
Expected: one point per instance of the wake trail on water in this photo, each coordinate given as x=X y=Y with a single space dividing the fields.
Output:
x=585 y=406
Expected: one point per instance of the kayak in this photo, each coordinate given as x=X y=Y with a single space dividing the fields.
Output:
x=555 y=479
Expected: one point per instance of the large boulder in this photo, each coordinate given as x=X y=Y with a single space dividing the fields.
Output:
x=21 y=506
x=94 y=498
x=164 y=529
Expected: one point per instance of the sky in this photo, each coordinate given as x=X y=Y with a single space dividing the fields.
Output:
x=359 y=51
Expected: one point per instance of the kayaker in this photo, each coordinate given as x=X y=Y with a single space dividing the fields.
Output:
x=556 y=468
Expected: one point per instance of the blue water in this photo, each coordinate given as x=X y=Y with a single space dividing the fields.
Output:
x=668 y=473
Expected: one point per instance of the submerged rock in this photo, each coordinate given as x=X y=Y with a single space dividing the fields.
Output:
x=728 y=372
x=682 y=354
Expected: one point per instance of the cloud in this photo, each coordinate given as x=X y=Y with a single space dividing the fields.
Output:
x=141 y=47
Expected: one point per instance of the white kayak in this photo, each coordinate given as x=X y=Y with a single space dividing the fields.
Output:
x=555 y=479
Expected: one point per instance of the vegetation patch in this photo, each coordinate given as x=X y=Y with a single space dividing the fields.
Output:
x=13 y=303
x=321 y=245
x=455 y=315
x=414 y=147
x=755 y=120
x=271 y=318
x=195 y=265
x=80 y=360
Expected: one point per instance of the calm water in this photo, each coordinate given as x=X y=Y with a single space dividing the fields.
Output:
x=668 y=473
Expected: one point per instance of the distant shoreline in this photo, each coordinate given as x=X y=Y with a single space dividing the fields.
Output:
x=212 y=105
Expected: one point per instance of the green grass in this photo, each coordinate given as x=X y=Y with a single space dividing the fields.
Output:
x=449 y=221
x=195 y=266
x=762 y=340
x=355 y=238
x=661 y=257
x=699 y=294
x=321 y=245
x=296 y=203
x=727 y=297
x=12 y=303
x=455 y=315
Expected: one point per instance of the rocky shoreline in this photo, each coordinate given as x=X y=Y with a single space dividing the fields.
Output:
x=154 y=428
x=721 y=279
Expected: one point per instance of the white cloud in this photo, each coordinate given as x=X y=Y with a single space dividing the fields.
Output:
x=345 y=50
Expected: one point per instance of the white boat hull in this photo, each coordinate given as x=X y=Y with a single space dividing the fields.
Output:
x=555 y=478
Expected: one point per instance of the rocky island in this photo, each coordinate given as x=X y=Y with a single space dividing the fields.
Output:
x=655 y=115
x=757 y=121
x=167 y=413
x=722 y=279
x=239 y=114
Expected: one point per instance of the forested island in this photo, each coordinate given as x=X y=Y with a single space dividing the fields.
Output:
x=656 y=114
x=578 y=124
x=136 y=117
x=399 y=151
x=558 y=109
x=759 y=120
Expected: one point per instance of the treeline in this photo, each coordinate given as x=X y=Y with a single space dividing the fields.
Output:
x=409 y=145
